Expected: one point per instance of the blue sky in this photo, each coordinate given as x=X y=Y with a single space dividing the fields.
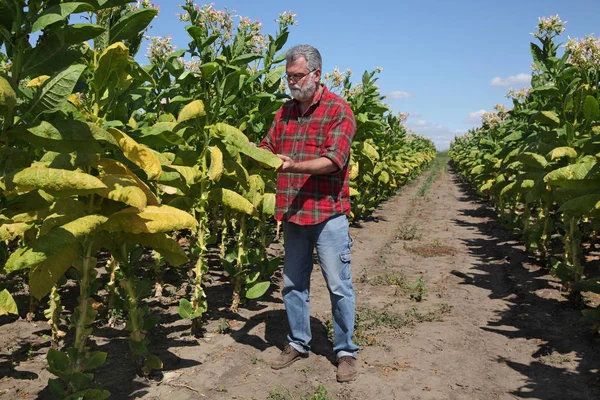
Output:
x=443 y=61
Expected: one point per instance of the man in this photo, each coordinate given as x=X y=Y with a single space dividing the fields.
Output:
x=312 y=134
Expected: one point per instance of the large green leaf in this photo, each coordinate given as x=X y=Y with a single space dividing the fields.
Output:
x=46 y=246
x=112 y=63
x=7 y=304
x=124 y=189
x=66 y=136
x=268 y=205
x=273 y=77
x=257 y=290
x=56 y=181
x=57 y=13
x=10 y=230
x=569 y=173
x=44 y=276
x=265 y=157
x=56 y=90
x=533 y=160
x=582 y=205
x=132 y=24
x=161 y=242
x=591 y=110
x=151 y=219
x=547 y=118
x=111 y=166
x=78 y=33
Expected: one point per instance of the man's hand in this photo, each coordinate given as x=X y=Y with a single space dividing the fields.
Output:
x=288 y=164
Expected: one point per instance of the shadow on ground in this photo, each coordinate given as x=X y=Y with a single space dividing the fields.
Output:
x=509 y=273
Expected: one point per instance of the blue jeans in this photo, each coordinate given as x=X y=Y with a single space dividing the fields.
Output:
x=332 y=241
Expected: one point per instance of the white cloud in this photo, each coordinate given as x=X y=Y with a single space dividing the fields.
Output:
x=397 y=94
x=511 y=80
x=420 y=122
x=475 y=117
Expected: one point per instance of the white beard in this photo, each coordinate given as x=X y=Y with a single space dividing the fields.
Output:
x=304 y=93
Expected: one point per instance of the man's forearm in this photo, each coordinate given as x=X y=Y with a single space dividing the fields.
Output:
x=319 y=166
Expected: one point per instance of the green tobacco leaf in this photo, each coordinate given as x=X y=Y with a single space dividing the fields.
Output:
x=57 y=181
x=273 y=77
x=129 y=26
x=57 y=13
x=124 y=189
x=208 y=69
x=161 y=242
x=190 y=174
x=66 y=136
x=138 y=154
x=533 y=160
x=582 y=205
x=192 y=110
x=233 y=200
x=245 y=59
x=560 y=152
x=95 y=359
x=151 y=219
x=58 y=363
x=78 y=33
x=7 y=304
x=111 y=166
x=570 y=172
x=56 y=90
x=112 y=63
x=549 y=118
x=370 y=151
x=8 y=97
x=44 y=276
x=591 y=110
x=186 y=311
x=44 y=247
x=257 y=290
x=590 y=285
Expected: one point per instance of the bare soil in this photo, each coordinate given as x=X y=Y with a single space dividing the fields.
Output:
x=449 y=306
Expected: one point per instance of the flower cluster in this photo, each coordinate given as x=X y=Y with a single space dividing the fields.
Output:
x=334 y=79
x=214 y=21
x=519 y=95
x=192 y=65
x=491 y=119
x=584 y=53
x=549 y=27
x=142 y=4
x=159 y=49
x=251 y=29
x=355 y=90
x=287 y=18
x=403 y=116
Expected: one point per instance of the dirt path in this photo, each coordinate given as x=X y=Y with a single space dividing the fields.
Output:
x=449 y=307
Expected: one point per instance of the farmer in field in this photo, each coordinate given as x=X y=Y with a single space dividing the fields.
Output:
x=312 y=134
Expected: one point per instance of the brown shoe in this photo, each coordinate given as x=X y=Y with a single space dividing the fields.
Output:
x=347 y=369
x=288 y=356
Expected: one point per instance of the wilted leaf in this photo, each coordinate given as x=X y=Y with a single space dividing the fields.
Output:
x=138 y=154
x=560 y=152
x=124 y=189
x=45 y=275
x=233 y=200
x=117 y=168
x=216 y=164
x=42 y=248
x=151 y=219
x=57 y=181
x=192 y=110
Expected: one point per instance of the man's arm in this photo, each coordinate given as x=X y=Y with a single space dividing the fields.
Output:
x=319 y=166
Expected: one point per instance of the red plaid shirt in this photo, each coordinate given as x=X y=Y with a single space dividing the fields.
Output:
x=325 y=130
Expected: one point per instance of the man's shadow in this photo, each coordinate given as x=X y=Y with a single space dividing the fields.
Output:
x=276 y=330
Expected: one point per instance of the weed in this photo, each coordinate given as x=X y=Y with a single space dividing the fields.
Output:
x=279 y=393
x=555 y=359
x=418 y=290
x=255 y=360
x=223 y=326
x=408 y=232
x=319 y=394
x=364 y=275
x=391 y=279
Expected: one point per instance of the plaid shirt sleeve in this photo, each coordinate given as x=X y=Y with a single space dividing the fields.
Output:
x=341 y=130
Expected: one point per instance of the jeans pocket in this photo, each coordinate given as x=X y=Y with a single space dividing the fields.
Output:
x=345 y=258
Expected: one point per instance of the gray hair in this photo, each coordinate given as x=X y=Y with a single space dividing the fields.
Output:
x=310 y=54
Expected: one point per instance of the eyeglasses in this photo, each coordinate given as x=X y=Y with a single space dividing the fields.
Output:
x=297 y=77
